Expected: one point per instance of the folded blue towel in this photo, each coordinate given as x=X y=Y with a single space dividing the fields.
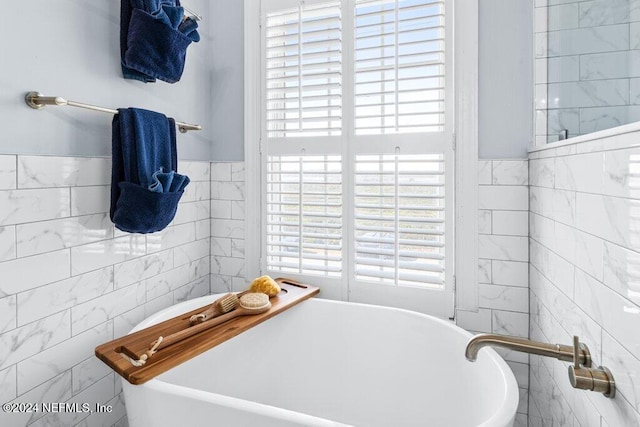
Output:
x=154 y=37
x=144 y=198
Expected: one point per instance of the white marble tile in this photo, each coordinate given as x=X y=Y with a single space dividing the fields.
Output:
x=592 y=93
x=237 y=248
x=25 y=341
x=190 y=252
x=622 y=173
x=8 y=385
x=88 y=372
x=8 y=313
x=46 y=171
x=507 y=248
x=160 y=303
x=203 y=210
x=510 y=172
x=220 y=284
x=503 y=297
x=601 y=118
x=604 y=12
x=20 y=206
x=582 y=41
x=541 y=201
x=484 y=172
x=61 y=357
x=7 y=172
x=221 y=209
x=98 y=393
x=196 y=171
x=563 y=119
x=564 y=207
x=220 y=246
x=238 y=209
x=510 y=273
x=557 y=269
x=626 y=367
x=57 y=389
x=589 y=253
x=541 y=43
x=479 y=321
x=99 y=310
x=540 y=73
x=187 y=212
x=171 y=237
x=192 y=290
x=220 y=171
x=203 y=229
x=610 y=65
x=577 y=172
x=23 y=274
x=90 y=200
x=44 y=236
x=541 y=173
x=563 y=17
x=125 y=322
x=135 y=270
x=618 y=316
x=503 y=197
x=198 y=269
x=107 y=252
x=484 y=271
x=228 y=190
x=510 y=223
x=634 y=35
x=57 y=296
x=7 y=243
x=622 y=271
x=166 y=282
x=540 y=19
x=227 y=266
x=484 y=221
x=611 y=218
x=238 y=171
x=229 y=228
x=201 y=190
x=106 y=418
x=510 y=323
x=563 y=69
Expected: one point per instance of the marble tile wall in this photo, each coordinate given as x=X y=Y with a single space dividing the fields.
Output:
x=584 y=276
x=227 y=227
x=71 y=281
x=503 y=265
x=587 y=66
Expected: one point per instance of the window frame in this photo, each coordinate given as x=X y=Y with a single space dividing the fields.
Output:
x=464 y=141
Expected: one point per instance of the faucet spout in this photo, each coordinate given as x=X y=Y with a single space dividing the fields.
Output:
x=560 y=352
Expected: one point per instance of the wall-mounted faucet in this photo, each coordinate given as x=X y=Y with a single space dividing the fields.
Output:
x=581 y=374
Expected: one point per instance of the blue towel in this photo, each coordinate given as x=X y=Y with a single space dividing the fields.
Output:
x=144 y=198
x=154 y=38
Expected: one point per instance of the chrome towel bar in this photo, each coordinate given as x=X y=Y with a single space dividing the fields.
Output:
x=37 y=101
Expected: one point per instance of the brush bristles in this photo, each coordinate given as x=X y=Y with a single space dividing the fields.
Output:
x=228 y=303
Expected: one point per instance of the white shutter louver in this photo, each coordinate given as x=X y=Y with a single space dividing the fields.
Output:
x=399 y=66
x=399 y=219
x=304 y=71
x=304 y=214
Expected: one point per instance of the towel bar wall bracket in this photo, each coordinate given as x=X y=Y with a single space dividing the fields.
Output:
x=38 y=101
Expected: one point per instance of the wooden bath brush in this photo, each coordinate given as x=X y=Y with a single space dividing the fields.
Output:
x=249 y=304
x=222 y=305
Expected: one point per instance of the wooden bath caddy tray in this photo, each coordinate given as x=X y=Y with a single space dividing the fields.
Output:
x=136 y=344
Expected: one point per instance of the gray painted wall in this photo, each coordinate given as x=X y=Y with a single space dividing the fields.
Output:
x=506 y=78
x=71 y=49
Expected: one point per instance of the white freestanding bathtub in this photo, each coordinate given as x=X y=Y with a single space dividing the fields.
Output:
x=328 y=363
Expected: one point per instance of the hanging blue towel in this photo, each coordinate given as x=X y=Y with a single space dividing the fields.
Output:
x=154 y=38
x=144 y=198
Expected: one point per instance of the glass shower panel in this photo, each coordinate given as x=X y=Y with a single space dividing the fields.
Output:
x=587 y=67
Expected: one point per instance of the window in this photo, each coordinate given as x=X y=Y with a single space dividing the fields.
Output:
x=356 y=153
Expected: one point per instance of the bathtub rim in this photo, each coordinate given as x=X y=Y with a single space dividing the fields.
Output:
x=505 y=416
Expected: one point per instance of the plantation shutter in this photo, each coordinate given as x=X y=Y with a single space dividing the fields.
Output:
x=399 y=66
x=357 y=169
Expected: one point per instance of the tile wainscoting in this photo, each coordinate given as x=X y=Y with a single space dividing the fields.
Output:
x=71 y=281
x=585 y=266
x=503 y=227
